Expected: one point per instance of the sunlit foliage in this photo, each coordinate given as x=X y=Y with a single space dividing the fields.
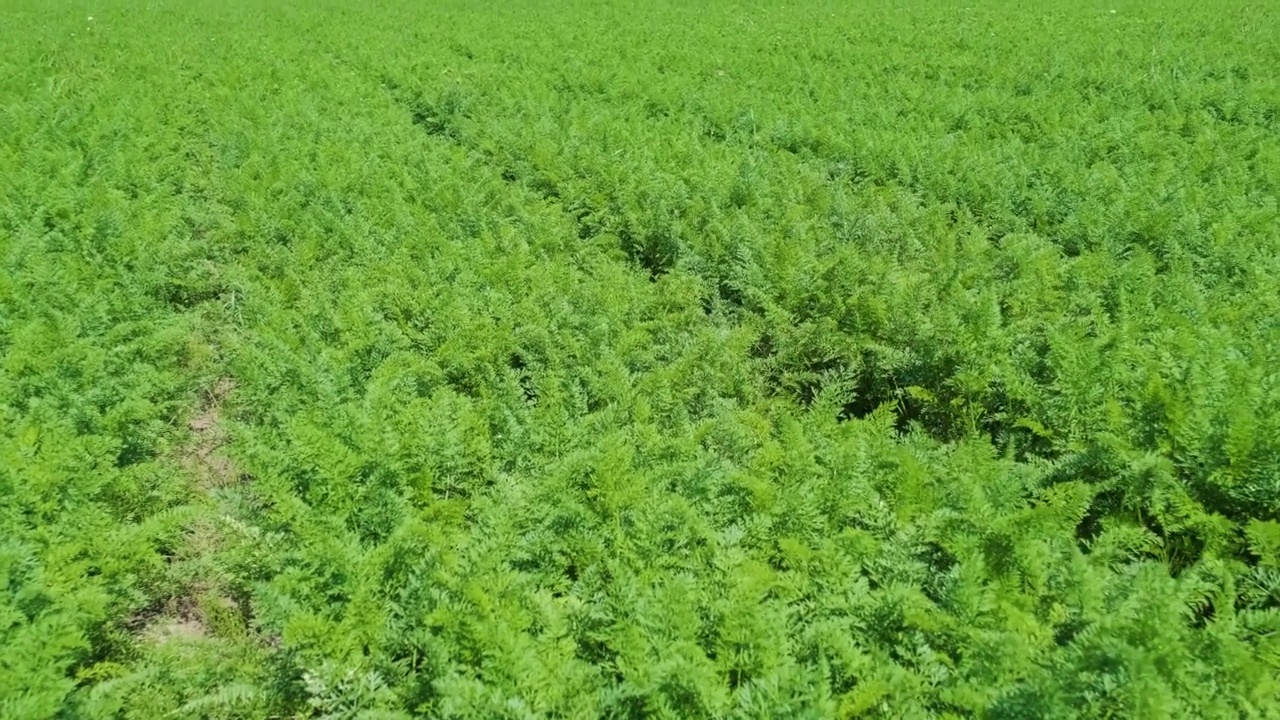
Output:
x=581 y=360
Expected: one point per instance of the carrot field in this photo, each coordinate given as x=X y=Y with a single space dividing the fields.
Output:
x=713 y=359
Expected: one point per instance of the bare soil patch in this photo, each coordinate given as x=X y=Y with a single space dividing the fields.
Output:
x=203 y=456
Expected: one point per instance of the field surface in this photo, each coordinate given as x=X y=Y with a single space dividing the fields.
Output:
x=374 y=360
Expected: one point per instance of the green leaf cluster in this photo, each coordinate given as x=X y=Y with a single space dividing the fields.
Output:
x=368 y=360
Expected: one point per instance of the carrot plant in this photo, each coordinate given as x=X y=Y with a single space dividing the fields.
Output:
x=366 y=360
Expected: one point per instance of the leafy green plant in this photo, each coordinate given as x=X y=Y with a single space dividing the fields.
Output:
x=568 y=360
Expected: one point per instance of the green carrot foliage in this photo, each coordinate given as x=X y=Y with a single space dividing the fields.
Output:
x=599 y=360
